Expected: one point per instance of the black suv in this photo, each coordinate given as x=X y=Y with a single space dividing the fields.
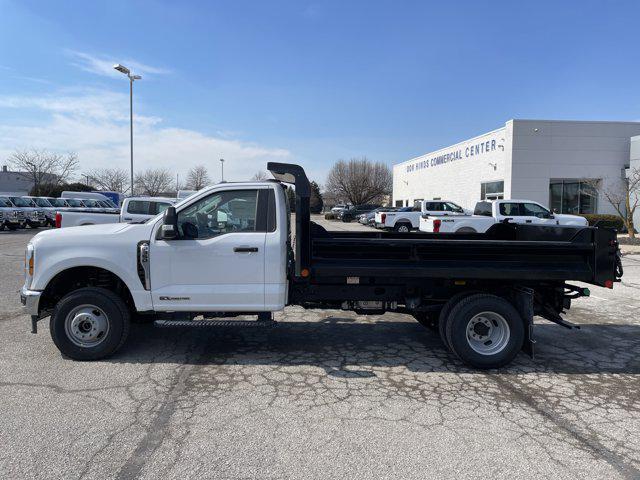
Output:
x=354 y=212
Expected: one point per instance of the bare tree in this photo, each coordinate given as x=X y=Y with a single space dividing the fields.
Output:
x=360 y=180
x=198 y=178
x=153 y=181
x=110 y=179
x=44 y=167
x=624 y=197
x=259 y=176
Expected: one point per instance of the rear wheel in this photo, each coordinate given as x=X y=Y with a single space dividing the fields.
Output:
x=402 y=227
x=13 y=228
x=485 y=331
x=89 y=324
x=444 y=315
x=466 y=230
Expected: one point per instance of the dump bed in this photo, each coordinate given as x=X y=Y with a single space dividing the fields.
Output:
x=504 y=252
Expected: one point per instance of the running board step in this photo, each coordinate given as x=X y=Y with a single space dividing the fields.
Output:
x=215 y=323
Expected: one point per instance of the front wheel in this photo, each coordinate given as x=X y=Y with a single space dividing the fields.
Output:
x=485 y=331
x=89 y=324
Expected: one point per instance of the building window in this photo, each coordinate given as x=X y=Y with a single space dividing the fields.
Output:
x=398 y=203
x=492 y=190
x=573 y=196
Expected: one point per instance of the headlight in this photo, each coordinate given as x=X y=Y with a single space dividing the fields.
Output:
x=29 y=261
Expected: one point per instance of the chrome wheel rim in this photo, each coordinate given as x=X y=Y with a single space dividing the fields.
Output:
x=86 y=326
x=403 y=229
x=488 y=333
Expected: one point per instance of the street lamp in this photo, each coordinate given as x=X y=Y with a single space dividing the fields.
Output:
x=132 y=78
x=222 y=168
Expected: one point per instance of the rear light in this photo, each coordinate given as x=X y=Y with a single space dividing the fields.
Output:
x=608 y=283
x=436 y=226
x=58 y=219
x=383 y=217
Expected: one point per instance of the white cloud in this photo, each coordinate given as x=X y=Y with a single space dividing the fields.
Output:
x=93 y=124
x=103 y=65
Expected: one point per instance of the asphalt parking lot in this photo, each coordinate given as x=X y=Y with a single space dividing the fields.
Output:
x=325 y=394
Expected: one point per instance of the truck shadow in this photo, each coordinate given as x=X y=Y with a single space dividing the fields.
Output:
x=350 y=349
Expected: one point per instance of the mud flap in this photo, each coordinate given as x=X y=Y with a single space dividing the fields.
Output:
x=523 y=301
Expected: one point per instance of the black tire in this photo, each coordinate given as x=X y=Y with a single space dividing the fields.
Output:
x=13 y=228
x=400 y=227
x=427 y=319
x=469 y=308
x=117 y=317
x=444 y=315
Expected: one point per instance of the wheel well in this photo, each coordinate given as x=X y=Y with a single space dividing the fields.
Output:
x=466 y=230
x=78 y=277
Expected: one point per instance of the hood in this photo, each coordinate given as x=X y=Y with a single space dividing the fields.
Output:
x=574 y=219
x=93 y=233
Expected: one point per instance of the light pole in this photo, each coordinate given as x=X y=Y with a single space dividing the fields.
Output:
x=222 y=168
x=132 y=78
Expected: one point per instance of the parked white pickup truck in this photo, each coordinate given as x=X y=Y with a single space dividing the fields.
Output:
x=406 y=219
x=488 y=213
x=134 y=209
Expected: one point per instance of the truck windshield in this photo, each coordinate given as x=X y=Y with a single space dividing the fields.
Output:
x=58 y=202
x=4 y=202
x=20 y=202
x=90 y=203
x=42 y=202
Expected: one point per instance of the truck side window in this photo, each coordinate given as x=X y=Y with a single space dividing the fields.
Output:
x=510 y=209
x=534 y=210
x=222 y=212
x=159 y=207
x=138 y=207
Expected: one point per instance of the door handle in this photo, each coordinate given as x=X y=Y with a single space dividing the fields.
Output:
x=528 y=221
x=127 y=218
x=245 y=249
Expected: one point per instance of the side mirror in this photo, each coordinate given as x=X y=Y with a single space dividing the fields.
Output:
x=169 y=227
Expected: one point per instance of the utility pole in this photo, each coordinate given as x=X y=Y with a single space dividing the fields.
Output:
x=222 y=169
x=132 y=78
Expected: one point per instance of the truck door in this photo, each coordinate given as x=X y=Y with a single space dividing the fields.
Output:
x=519 y=212
x=217 y=263
x=541 y=215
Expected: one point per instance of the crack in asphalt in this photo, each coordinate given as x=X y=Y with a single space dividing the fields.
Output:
x=518 y=390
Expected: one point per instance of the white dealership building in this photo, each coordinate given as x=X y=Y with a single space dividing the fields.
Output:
x=565 y=165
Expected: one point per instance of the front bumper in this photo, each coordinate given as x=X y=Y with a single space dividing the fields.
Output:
x=30 y=300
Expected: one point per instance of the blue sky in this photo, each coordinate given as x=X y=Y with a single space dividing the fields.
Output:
x=306 y=82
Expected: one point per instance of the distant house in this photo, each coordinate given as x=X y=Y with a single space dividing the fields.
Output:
x=19 y=183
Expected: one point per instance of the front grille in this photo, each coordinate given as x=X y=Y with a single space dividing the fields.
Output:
x=41 y=216
x=20 y=215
